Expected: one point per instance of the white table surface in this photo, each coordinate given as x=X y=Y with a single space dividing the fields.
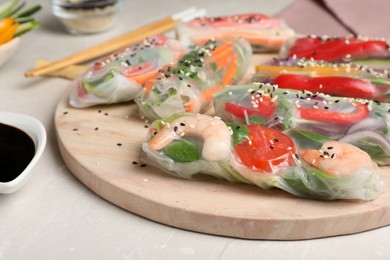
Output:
x=54 y=216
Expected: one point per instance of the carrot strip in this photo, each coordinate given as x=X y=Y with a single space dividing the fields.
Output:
x=221 y=48
x=8 y=34
x=149 y=85
x=222 y=58
x=230 y=72
x=142 y=78
x=5 y=24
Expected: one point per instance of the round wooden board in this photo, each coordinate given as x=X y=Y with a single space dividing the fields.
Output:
x=100 y=144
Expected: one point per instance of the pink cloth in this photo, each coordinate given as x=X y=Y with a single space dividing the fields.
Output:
x=365 y=17
x=308 y=17
x=339 y=17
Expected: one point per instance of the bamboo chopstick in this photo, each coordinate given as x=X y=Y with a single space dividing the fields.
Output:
x=117 y=43
x=70 y=72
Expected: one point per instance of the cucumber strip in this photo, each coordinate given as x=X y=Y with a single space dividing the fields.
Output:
x=10 y=7
x=26 y=27
x=27 y=12
x=23 y=20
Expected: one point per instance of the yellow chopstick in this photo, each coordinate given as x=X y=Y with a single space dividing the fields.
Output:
x=107 y=47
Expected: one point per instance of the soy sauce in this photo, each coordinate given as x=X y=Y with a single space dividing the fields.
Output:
x=16 y=151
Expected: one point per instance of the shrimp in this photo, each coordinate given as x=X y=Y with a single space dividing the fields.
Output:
x=214 y=132
x=339 y=159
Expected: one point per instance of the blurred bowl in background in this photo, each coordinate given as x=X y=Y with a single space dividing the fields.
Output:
x=87 y=16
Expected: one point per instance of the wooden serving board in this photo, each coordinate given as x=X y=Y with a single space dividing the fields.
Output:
x=101 y=145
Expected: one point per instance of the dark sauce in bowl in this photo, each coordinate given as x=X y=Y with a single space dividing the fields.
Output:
x=17 y=149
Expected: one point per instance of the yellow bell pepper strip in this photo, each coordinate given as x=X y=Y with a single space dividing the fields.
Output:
x=320 y=70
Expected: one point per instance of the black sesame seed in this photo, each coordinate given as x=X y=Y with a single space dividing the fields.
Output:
x=96 y=128
x=175 y=128
x=182 y=124
x=330 y=147
x=106 y=114
x=119 y=144
x=66 y=112
x=99 y=111
x=276 y=140
x=143 y=165
x=272 y=147
x=75 y=129
x=134 y=162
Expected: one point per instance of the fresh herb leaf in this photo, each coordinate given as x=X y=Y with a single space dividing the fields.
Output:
x=240 y=133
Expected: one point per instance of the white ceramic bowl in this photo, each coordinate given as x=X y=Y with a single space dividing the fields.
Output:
x=8 y=49
x=36 y=131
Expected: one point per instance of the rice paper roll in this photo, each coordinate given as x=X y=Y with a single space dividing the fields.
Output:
x=188 y=85
x=265 y=33
x=120 y=76
x=310 y=116
x=344 y=79
x=200 y=146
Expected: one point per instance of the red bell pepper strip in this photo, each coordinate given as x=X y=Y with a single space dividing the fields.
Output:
x=336 y=86
x=361 y=111
x=335 y=49
x=263 y=106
